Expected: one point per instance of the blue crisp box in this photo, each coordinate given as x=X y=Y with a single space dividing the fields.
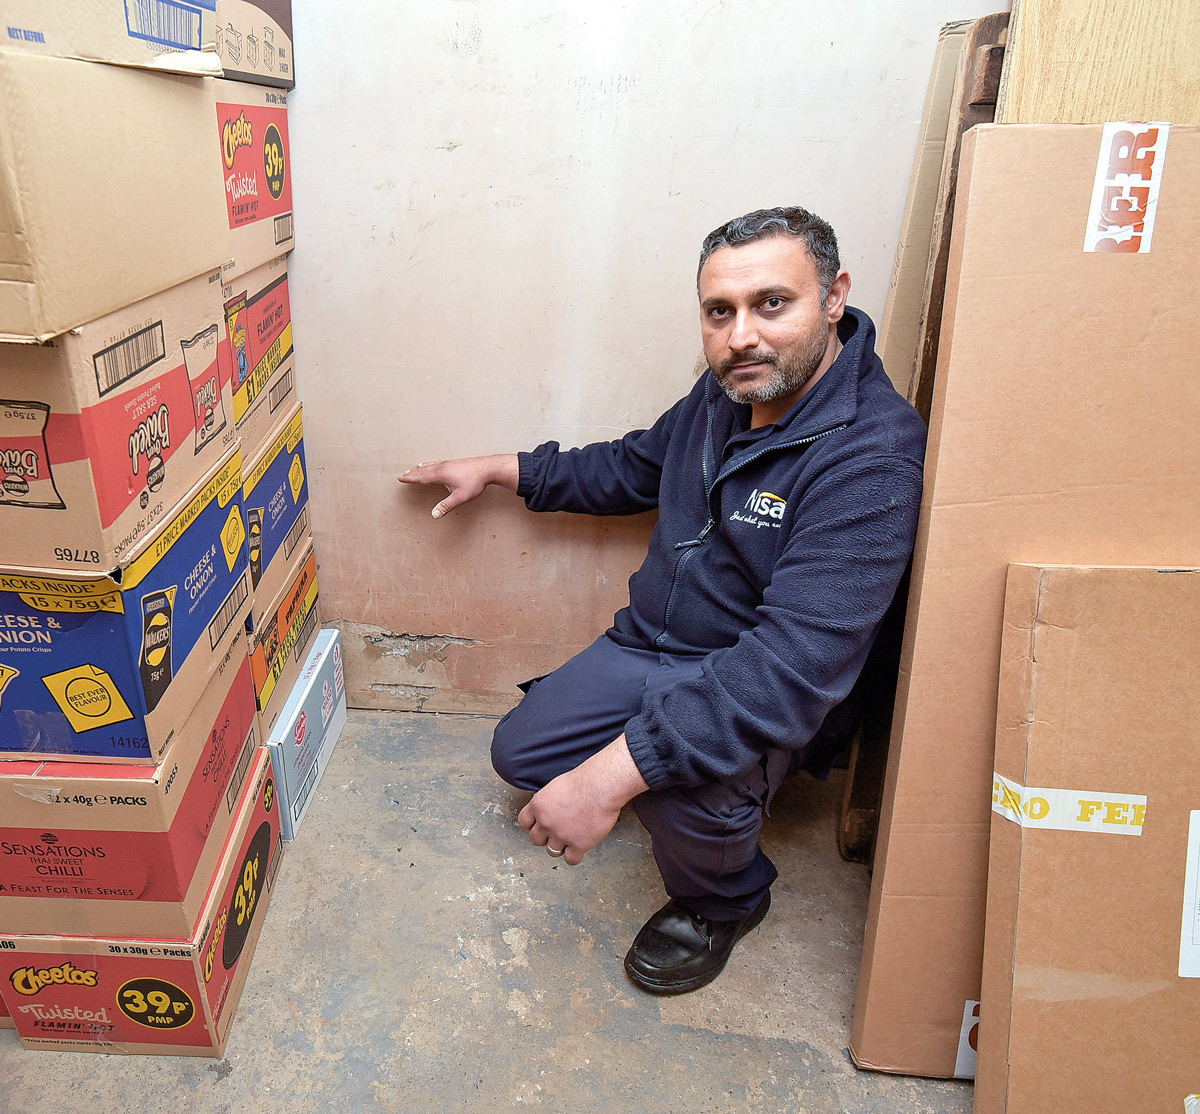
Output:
x=275 y=498
x=307 y=730
x=108 y=664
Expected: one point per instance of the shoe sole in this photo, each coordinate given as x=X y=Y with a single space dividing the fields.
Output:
x=697 y=981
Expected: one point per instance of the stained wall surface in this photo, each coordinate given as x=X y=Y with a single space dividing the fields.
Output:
x=498 y=210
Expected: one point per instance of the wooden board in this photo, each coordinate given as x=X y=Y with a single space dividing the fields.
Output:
x=1077 y=62
x=973 y=102
x=901 y=320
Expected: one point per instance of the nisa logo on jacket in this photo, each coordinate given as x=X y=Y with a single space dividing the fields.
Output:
x=762 y=508
x=766 y=504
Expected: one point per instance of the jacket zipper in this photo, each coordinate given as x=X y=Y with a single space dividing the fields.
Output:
x=690 y=547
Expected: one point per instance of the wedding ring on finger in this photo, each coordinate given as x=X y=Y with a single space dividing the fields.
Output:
x=555 y=852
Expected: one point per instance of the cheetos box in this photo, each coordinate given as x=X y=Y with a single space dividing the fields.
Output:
x=256 y=353
x=256 y=164
x=145 y=994
x=283 y=633
x=93 y=849
x=275 y=499
x=109 y=664
x=105 y=428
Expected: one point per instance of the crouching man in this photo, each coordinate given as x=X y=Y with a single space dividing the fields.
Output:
x=787 y=484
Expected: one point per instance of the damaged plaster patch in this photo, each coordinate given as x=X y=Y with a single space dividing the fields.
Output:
x=417 y=649
x=417 y=693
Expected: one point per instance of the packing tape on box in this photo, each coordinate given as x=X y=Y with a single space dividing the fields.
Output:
x=1068 y=810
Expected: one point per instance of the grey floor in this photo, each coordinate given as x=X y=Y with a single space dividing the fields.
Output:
x=420 y=955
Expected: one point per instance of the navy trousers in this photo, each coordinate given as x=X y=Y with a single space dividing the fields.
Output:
x=705 y=838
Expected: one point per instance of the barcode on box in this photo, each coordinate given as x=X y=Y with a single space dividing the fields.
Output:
x=129 y=357
x=234 y=790
x=306 y=787
x=231 y=606
x=280 y=391
x=283 y=228
x=165 y=22
x=299 y=527
x=310 y=624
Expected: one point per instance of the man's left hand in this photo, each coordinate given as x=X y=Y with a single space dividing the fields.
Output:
x=578 y=809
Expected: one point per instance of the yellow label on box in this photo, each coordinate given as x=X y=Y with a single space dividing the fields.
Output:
x=7 y=673
x=223 y=487
x=88 y=697
x=244 y=396
x=296 y=477
x=233 y=533
x=65 y=596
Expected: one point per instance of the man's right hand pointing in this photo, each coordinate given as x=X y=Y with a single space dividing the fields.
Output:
x=465 y=478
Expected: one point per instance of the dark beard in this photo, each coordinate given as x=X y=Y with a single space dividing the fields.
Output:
x=789 y=376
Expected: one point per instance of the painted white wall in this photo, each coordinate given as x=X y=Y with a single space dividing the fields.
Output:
x=498 y=211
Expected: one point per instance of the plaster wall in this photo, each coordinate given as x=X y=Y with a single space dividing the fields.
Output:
x=498 y=211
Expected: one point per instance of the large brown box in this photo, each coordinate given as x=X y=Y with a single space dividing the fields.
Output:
x=172 y=36
x=77 y=243
x=1091 y=970
x=1063 y=429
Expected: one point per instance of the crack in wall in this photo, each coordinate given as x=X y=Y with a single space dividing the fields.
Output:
x=417 y=649
x=419 y=694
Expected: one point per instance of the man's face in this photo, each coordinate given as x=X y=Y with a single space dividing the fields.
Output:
x=767 y=331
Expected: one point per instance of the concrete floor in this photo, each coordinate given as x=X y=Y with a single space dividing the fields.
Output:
x=420 y=955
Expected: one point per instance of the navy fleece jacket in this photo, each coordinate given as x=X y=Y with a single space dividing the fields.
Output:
x=776 y=553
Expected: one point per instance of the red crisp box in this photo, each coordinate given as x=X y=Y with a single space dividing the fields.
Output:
x=146 y=994
x=257 y=168
x=88 y=848
x=105 y=429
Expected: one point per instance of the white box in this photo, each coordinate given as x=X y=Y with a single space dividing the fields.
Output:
x=307 y=730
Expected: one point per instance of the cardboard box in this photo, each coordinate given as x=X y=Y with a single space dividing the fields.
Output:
x=257 y=352
x=109 y=664
x=254 y=40
x=176 y=36
x=1091 y=970
x=280 y=643
x=144 y=995
x=1063 y=429
x=256 y=165
x=76 y=244
x=900 y=325
x=97 y=849
x=307 y=730
x=106 y=428
x=275 y=499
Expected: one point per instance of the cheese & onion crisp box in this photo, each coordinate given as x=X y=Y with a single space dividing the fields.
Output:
x=108 y=665
x=275 y=499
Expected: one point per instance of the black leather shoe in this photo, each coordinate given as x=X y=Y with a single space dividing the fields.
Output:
x=678 y=950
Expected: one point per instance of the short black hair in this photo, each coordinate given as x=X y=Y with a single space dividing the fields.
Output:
x=785 y=220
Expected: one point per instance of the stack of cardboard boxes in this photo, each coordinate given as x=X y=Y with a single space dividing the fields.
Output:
x=157 y=580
